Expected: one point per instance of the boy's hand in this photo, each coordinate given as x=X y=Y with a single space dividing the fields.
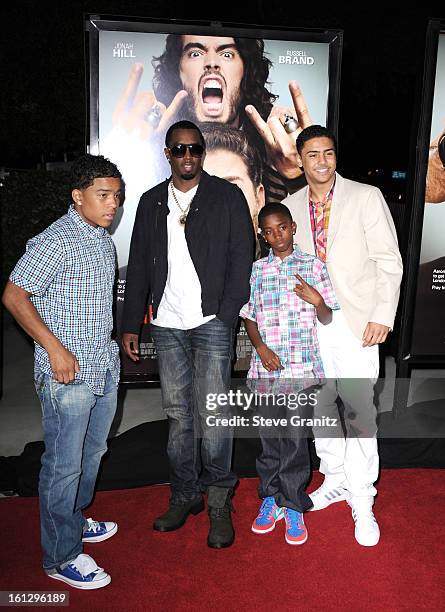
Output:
x=64 y=365
x=307 y=293
x=269 y=359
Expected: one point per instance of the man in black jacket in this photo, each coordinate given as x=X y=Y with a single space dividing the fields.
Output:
x=190 y=258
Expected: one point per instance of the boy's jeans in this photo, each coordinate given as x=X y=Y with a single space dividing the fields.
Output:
x=76 y=423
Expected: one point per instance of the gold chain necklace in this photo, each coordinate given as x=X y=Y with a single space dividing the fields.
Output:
x=185 y=211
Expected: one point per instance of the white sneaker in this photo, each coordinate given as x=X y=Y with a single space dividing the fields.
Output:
x=81 y=573
x=367 y=532
x=328 y=494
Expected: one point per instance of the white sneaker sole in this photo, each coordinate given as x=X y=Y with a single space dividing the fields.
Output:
x=261 y=531
x=85 y=586
x=101 y=538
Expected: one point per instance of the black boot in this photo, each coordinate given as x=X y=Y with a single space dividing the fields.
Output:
x=177 y=514
x=221 y=533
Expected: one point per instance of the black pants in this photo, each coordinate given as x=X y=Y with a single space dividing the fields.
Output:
x=283 y=465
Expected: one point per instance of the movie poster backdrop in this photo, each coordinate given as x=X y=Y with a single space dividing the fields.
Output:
x=139 y=152
x=429 y=320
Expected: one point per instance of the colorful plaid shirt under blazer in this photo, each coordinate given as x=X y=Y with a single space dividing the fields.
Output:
x=286 y=323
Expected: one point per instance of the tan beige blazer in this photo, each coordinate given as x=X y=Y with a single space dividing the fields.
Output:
x=362 y=257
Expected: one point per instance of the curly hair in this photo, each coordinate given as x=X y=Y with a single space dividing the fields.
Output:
x=166 y=80
x=89 y=167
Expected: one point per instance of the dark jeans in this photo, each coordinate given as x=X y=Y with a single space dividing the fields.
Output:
x=192 y=364
x=283 y=465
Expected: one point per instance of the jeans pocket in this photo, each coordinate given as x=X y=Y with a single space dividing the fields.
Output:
x=40 y=380
x=72 y=398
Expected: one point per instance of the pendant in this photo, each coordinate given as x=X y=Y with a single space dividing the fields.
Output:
x=182 y=219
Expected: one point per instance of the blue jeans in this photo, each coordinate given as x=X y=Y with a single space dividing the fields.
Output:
x=76 y=423
x=194 y=363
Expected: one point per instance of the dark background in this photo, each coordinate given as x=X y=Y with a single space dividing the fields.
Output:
x=43 y=108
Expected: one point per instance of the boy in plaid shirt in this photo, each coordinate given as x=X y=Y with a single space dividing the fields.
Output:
x=289 y=291
x=61 y=293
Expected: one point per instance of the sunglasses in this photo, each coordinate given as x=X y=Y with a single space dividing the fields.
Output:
x=196 y=150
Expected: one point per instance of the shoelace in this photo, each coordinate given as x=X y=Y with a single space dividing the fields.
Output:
x=93 y=525
x=363 y=513
x=293 y=518
x=267 y=507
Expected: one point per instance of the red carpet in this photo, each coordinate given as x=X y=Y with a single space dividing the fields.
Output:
x=177 y=571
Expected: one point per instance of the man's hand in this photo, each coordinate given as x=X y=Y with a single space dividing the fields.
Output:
x=375 y=333
x=134 y=110
x=307 y=293
x=280 y=146
x=130 y=344
x=63 y=364
x=269 y=359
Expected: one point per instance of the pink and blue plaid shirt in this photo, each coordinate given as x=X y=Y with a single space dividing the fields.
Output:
x=286 y=323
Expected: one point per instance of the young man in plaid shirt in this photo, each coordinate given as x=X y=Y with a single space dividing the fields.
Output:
x=61 y=293
x=289 y=291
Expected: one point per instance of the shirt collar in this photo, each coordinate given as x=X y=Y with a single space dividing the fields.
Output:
x=83 y=225
x=294 y=255
x=327 y=196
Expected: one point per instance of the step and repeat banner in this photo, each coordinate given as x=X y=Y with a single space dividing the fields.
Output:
x=145 y=76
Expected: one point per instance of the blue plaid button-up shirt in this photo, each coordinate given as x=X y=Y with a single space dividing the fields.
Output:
x=69 y=269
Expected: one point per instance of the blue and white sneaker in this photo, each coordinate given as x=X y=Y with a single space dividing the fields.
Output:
x=95 y=531
x=296 y=532
x=268 y=515
x=81 y=573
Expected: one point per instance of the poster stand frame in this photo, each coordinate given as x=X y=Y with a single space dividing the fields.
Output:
x=406 y=361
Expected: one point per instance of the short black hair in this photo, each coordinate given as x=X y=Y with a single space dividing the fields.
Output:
x=314 y=131
x=221 y=137
x=89 y=167
x=274 y=208
x=182 y=125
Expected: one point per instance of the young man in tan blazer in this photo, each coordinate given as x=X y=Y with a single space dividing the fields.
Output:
x=349 y=226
